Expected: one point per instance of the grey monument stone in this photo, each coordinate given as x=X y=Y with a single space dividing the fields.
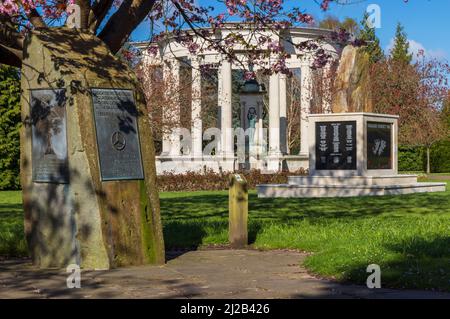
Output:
x=351 y=154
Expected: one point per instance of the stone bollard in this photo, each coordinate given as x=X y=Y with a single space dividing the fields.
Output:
x=238 y=211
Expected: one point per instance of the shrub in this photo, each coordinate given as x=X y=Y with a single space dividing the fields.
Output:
x=440 y=157
x=211 y=181
x=9 y=128
x=411 y=158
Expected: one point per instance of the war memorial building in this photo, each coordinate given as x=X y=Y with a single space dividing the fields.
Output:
x=171 y=55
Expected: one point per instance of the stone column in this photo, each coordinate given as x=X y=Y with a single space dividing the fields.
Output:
x=283 y=114
x=226 y=115
x=306 y=87
x=274 y=114
x=274 y=154
x=196 y=116
x=219 y=109
x=327 y=87
x=171 y=138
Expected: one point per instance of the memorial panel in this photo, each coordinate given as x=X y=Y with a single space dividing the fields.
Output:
x=117 y=134
x=49 y=136
x=379 y=145
x=336 y=145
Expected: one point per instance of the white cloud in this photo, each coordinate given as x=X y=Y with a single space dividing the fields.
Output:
x=415 y=47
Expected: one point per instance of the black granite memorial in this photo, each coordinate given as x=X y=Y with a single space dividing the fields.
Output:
x=379 y=145
x=336 y=145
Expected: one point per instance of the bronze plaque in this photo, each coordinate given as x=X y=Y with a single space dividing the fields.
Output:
x=117 y=133
x=49 y=137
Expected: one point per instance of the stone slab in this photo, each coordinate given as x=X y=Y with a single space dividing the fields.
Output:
x=301 y=191
x=389 y=180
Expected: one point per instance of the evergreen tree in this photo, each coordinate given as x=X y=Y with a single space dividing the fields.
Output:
x=372 y=47
x=9 y=127
x=400 y=51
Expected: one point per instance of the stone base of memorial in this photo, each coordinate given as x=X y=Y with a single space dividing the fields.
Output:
x=87 y=156
x=351 y=154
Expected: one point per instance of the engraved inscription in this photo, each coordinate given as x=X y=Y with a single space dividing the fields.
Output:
x=336 y=145
x=49 y=140
x=117 y=134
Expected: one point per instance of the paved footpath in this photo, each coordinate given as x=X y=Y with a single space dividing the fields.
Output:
x=195 y=274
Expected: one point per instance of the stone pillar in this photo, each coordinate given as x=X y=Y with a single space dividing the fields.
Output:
x=226 y=116
x=171 y=137
x=219 y=109
x=238 y=211
x=274 y=123
x=306 y=87
x=90 y=196
x=327 y=87
x=196 y=116
x=283 y=114
x=274 y=114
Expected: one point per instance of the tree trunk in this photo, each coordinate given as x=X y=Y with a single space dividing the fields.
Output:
x=87 y=219
x=428 y=160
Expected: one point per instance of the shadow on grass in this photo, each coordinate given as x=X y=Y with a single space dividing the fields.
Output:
x=190 y=218
x=419 y=263
x=12 y=238
x=215 y=205
x=198 y=219
x=189 y=235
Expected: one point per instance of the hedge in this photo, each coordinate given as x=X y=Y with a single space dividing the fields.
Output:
x=211 y=181
x=440 y=157
x=9 y=128
x=413 y=158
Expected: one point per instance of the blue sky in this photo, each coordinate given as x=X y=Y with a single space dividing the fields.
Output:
x=426 y=22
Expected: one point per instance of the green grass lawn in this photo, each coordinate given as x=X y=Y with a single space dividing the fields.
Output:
x=12 y=240
x=408 y=236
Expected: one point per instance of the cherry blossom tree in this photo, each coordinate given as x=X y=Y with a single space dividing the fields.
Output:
x=114 y=20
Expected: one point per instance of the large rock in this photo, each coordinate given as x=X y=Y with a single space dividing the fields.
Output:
x=352 y=83
x=87 y=220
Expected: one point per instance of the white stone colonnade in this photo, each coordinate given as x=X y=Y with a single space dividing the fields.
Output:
x=171 y=158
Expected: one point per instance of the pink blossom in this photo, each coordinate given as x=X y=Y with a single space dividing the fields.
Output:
x=9 y=7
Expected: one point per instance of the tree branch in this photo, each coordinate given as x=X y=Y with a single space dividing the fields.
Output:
x=36 y=19
x=194 y=29
x=9 y=35
x=124 y=21
x=85 y=7
x=10 y=56
x=98 y=13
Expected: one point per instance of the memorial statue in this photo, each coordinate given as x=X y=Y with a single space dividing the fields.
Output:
x=252 y=117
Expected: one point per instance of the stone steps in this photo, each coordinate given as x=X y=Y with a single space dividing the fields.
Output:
x=386 y=180
x=323 y=191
